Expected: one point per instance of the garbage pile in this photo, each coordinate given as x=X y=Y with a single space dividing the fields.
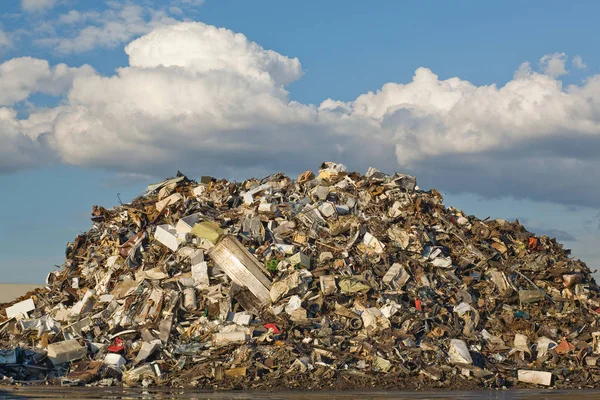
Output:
x=331 y=281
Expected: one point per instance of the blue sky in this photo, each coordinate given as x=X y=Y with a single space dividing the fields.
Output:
x=496 y=105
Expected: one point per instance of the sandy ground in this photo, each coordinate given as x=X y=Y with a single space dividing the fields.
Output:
x=10 y=291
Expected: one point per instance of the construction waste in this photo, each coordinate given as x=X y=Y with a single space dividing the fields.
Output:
x=331 y=281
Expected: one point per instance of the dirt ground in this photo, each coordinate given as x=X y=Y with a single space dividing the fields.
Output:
x=10 y=291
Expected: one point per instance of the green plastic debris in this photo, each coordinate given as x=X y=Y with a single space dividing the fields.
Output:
x=271 y=265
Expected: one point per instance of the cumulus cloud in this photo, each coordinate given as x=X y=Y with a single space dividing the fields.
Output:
x=207 y=100
x=192 y=91
x=37 y=5
x=19 y=77
x=24 y=140
x=530 y=138
x=578 y=63
x=109 y=28
x=554 y=64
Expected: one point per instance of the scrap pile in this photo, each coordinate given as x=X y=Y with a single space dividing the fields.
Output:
x=338 y=280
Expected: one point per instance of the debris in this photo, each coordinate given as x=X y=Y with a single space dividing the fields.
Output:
x=8 y=356
x=300 y=259
x=535 y=377
x=115 y=360
x=459 y=353
x=221 y=339
x=242 y=267
x=171 y=200
x=531 y=296
x=208 y=230
x=68 y=350
x=336 y=280
x=147 y=371
x=167 y=235
x=147 y=349
x=20 y=309
x=328 y=285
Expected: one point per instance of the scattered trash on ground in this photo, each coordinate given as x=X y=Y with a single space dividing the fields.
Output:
x=331 y=281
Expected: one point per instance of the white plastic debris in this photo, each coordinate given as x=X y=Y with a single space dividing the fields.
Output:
x=114 y=360
x=84 y=304
x=396 y=276
x=535 y=377
x=189 y=298
x=224 y=338
x=495 y=340
x=286 y=248
x=267 y=208
x=242 y=318
x=293 y=304
x=442 y=262
x=20 y=309
x=185 y=224
x=327 y=209
x=200 y=274
x=459 y=352
x=520 y=343
x=543 y=345
x=167 y=235
x=199 y=190
x=146 y=350
x=373 y=243
x=321 y=192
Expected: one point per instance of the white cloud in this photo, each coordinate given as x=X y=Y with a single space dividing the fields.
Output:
x=19 y=77
x=5 y=41
x=206 y=100
x=37 y=5
x=194 y=3
x=23 y=141
x=202 y=49
x=107 y=29
x=207 y=84
x=578 y=63
x=554 y=64
x=77 y=17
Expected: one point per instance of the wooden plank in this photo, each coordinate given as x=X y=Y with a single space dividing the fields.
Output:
x=241 y=266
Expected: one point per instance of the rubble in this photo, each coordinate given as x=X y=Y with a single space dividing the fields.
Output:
x=21 y=308
x=68 y=350
x=335 y=280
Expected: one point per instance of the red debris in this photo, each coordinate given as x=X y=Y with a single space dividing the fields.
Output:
x=118 y=347
x=273 y=327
